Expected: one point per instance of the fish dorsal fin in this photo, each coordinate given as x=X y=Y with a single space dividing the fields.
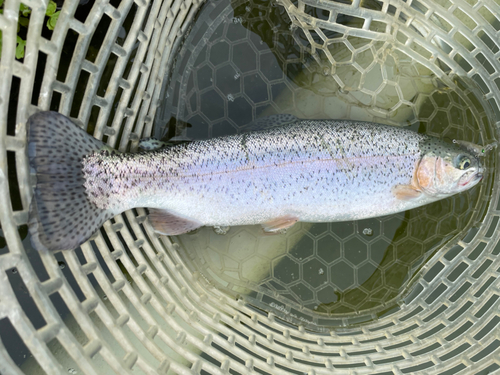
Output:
x=265 y=123
x=269 y=122
x=152 y=144
x=168 y=223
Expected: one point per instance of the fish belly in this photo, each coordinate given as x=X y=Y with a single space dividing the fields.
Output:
x=316 y=192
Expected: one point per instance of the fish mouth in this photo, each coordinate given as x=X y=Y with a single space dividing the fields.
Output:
x=471 y=177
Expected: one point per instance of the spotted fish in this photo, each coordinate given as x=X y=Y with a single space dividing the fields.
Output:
x=295 y=170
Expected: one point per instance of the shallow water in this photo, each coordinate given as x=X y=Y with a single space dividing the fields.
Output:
x=250 y=63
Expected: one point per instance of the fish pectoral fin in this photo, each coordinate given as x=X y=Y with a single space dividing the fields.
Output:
x=167 y=223
x=406 y=192
x=279 y=224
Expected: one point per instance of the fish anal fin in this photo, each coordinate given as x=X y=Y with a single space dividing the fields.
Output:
x=168 y=223
x=406 y=192
x=279 y=224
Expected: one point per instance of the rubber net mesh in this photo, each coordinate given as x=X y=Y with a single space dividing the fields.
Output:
x=413 y=292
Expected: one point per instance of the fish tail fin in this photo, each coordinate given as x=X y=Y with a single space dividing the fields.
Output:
x=61 y=215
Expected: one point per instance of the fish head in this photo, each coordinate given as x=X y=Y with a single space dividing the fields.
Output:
x=446 y=169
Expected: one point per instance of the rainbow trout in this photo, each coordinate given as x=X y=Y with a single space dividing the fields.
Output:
x=295 y=170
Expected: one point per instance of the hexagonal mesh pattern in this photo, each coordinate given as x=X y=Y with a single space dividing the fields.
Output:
x=412 y=292
x=252 y=61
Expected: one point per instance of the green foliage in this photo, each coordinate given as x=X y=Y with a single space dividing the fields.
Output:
x=20 y=47
x=24 y=10
x=51 y=23
x=52 y=14
x=23 y=22
x=51 y=8
x=1 y=11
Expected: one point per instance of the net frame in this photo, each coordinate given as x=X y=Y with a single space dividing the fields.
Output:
x=170 y=315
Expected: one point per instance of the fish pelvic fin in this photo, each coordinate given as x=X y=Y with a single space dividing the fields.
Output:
x=279 y=224
x=168 y=223
x=61 y=215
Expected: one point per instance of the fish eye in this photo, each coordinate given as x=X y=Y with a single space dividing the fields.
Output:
x=463 y=163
